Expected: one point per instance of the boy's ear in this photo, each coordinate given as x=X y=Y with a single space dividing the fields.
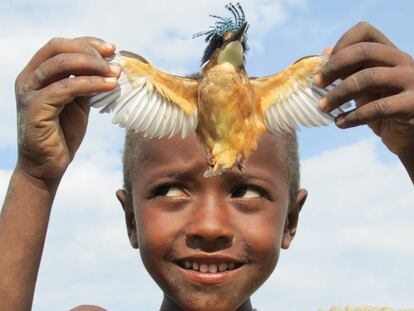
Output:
x=293 y=217
x=127 y=206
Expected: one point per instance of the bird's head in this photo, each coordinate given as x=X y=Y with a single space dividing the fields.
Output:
x=227 y=39
x=233 y=48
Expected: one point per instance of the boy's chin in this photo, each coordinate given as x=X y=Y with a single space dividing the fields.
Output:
x=184 y=291
x=192 y=293
x=210 y=301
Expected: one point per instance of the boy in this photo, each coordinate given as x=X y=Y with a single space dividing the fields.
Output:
x=212 y=242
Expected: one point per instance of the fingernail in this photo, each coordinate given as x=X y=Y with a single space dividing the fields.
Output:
x=115 y=69
x=340 y=122
x=109 y=45
x=317 y=80
x=323 y=104
x=110 y=79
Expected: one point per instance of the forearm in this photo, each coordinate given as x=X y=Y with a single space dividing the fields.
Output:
x=408 y=163
x=23 y=224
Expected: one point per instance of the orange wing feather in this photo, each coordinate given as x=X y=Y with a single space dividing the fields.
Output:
x=150 y=101
x=289 y=98
x=179 y=90
x=267 y=88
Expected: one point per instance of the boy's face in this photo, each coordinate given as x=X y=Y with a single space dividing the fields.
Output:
x=187 y=224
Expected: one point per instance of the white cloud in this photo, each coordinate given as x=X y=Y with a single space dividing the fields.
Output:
x=160 y=30
x=4 y=182
x=87 y=257
x=354 y=241
x=353 y=244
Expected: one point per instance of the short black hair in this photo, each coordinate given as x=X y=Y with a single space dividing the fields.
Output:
x=285 y=143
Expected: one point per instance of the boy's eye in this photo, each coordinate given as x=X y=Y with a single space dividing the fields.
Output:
x=169 y=191
x=247 y=192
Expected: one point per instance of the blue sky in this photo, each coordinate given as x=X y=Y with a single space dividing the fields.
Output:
x=312 y=26
x=337 y=259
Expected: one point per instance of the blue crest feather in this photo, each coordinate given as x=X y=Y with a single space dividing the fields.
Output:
x=223 y=25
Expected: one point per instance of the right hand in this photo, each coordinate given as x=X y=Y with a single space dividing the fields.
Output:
x=52 y=115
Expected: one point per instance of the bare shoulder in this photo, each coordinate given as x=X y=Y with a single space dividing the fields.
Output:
x=88 y=308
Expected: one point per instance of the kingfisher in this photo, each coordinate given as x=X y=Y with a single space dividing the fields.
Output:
x=227 y=109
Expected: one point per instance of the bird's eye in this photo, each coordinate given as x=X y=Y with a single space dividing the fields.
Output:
x=173 y=191
x=227 y=36
x=247 y=192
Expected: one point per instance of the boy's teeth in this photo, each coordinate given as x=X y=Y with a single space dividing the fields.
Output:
x=195 y=266
x=222 y=267
x=210 y=268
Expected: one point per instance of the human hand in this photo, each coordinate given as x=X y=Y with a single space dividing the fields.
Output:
x=52 y=115
x=380 y=78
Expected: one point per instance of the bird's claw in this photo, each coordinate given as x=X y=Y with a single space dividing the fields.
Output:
x=239 y=162
x=210 y=159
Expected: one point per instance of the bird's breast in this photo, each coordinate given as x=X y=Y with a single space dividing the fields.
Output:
x=224 y=89
x=229 y=111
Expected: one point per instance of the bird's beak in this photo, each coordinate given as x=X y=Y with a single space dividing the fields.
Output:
x=239 y=34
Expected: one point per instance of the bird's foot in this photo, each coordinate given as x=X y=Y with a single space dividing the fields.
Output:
x=211 y=172
x=239 y=161
x=210 y=161
x=224 y=162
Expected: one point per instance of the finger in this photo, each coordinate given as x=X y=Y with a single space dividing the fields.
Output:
x=74 y=116
x=65 y=91
x=66 y=64
x=383 y=108
x=375 y=126
x=363 y=82
x=104 y=48
x=87 y=45
x=361 y=32
x=366 y=98
x=356 y=57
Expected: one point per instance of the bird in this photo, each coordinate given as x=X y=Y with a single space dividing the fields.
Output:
x=227 y=109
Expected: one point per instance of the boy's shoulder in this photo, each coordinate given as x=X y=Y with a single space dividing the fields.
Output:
x=88 y=308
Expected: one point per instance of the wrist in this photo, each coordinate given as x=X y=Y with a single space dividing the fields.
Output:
x=43 y=185
x=24 y=220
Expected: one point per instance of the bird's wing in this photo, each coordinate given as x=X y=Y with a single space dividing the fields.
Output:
x=150 y=101
x=289 y=99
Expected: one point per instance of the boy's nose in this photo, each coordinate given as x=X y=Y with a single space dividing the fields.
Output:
x=210 y=228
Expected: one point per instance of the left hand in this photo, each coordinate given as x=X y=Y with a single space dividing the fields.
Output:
x=380 y=78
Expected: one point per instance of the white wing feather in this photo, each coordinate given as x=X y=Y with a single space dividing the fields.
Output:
x=141 y=108
x=298 y=106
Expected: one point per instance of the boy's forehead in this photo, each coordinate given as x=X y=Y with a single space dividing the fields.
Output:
x=178 y=150
x=161 y=150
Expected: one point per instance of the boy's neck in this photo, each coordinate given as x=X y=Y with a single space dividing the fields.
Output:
x=169 y=305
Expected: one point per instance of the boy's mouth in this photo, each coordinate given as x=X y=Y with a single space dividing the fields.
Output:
x=205 y=267
x=209 y=270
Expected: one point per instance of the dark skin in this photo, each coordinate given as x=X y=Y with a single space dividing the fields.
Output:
x=52 y=124
x=375 y=72
x=243 y=217
x=380 y=78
